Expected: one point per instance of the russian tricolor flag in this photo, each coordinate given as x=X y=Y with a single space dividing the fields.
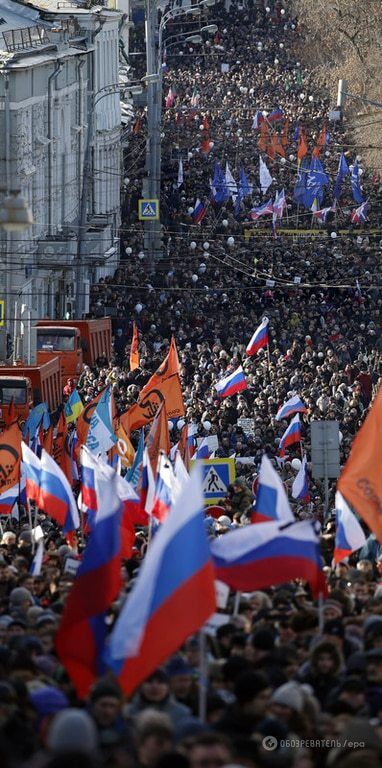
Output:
x=56 y=495
x=293 y=405
x=32 y=469
x=271 y=500
x=300 y=487
x=203 y=451
x=199 y=212
x=164 y=489
x=88 y=489
x=349 y=534
x=276 y=114
x=231 y=384
x=261 y=210
x=260 y=338
x=8 y=499
x=291 y=435
x=173 y=596
x=260 y=556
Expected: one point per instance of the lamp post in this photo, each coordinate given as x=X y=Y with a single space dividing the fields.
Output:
x=154 y=78
x=343 y=93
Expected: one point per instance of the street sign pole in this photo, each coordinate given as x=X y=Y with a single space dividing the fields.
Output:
x=325 y=449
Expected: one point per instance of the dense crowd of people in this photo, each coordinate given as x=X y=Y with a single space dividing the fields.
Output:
x=291 y=683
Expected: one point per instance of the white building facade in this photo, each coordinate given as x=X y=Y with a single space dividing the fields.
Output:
x=60 y=125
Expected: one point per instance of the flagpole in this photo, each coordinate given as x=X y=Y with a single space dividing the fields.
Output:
x=236 y=605
x=31 y=524
x=268 y=357
x=320 y=613
x=203 y=677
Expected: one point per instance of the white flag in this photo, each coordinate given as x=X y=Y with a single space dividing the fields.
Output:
x=265 y=177
x=180 y=173
x=231 y=183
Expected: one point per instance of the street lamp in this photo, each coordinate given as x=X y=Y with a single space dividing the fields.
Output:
x=210 y=28
x=194 y=39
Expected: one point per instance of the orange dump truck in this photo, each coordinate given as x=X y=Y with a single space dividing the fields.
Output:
x=29 y=385
x=75 y=342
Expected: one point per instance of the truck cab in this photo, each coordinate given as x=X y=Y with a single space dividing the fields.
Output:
x=18 y=388
x=63 y=342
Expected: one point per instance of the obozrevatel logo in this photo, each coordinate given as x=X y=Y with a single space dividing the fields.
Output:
x=269 y=743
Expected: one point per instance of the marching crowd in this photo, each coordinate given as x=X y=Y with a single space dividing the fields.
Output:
x=291 y=683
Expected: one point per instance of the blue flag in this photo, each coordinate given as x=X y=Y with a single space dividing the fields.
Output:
x=355 y=185
x=245 y=188
x=343 y=170
x=38 y=413
x=133 y=473
x=300 y=186
x=219 y=188
x=315 y=182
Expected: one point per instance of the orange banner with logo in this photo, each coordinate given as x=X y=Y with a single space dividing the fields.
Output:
x=10 y=457
x=164 y=386
x=361 y=479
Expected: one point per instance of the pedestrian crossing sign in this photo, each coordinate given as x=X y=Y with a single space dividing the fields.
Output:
x=148 y=210
x=218 y=474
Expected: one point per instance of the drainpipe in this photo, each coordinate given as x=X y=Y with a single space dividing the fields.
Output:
x=51 y=86
x=81 y=114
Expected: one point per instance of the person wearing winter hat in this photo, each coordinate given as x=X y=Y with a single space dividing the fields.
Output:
x=72 y=730
x=20 y=599
x=155 y=694
x=182 y=685
x=46 y=702
x=287 y=705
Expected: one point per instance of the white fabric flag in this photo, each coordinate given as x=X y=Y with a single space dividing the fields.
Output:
x=265 y=176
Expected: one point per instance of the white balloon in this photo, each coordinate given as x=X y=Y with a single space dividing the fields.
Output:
x=333 y=235
x=340 y=437
x=225 y=222
x=296 y=464
x=206 y=246
x=282 y=160
x=201 y=127
x=190 y=211
x=206 y=255
x=206 y=425
x=192 y=244
x=128 y=251
x=311 y=98
x=141 y=255
x=170 y=426
x=180 y=424
x=230 y=242
x=138 y=308
x=194 y=278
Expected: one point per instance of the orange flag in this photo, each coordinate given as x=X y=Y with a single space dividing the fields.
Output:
x=61 y=453
x=158 y=439
x=302 y=144
x=284 y=135
x=276 y=146
x=264 y=139
x=143 y=412
x=10 y=457
x=361 y=479
x=83 y=421
x=47 y=441
x=134 y=349
x=184 y=448
x=321 y=142
x=164 y=386
x=124 y=446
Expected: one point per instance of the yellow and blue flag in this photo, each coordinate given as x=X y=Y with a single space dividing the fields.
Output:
x=73 y=408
